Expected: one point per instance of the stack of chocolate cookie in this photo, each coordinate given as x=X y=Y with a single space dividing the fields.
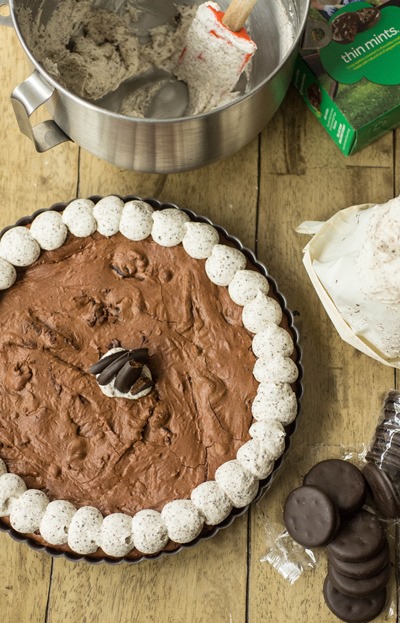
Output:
x=359 y=569
x=382 y=471
x=327 y=510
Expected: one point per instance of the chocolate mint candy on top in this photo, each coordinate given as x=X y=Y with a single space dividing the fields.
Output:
x=310 y=516
x=127 y=376
x=353 y=609
x=342 y=481
x=359 y=587
x=359 y=539
x=383 y=491
x=365 y=569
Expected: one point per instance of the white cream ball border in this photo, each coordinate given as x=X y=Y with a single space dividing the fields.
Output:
x=275 y=405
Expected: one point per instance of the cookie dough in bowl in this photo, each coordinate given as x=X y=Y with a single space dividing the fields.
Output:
x=133 y=422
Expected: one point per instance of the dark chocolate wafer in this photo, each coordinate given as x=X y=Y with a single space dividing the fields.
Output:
x=358 y=539
x=342 y=481
x=383 y=491
x=310 y=516
x=353 y=609
x=359 y=587
x=365 y=569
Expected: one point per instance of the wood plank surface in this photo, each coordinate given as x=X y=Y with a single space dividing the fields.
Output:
x=302 y=178
x=28 y=181
x=291 y=173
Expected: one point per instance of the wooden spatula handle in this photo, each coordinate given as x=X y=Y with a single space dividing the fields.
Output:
x=237 y=13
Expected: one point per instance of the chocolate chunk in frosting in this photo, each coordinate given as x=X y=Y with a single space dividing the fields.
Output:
x=125 y=368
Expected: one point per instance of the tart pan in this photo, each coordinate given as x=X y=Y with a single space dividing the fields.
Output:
x=208 y=531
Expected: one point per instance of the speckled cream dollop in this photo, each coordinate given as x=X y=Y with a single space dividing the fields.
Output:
x=150 y=533
x=245 y=286
x=199 y=240
x=239 y=484
x=271 y=434
x=223 y=264
x=275 y=401
x=255 y=457
x=183 y=520
x=212 y=502
x=11 y=488
x=84 y=530
x=272 y=340
x=275 y=369
x=107 y=213
x=136 y=220
x=18 y=247
x=78 y=217
x=260 y=312
x=49 y=230
x=169 y=226
x=56 y=521
x=115 y=537
x=8 y=274
x=28 y=511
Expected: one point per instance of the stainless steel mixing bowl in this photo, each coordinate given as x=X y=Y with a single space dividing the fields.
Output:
x=171 y=145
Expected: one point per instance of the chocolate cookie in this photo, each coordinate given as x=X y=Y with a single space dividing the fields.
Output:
x=353 y=609
x=359 y=587
x=345 y=27
x=361 y=538
x=359 y=570
x=368 y=17
x=310 y=516
x=387 y=435
x=342 y=481
x=382 y=489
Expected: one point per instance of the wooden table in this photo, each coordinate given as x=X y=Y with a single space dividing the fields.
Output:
x=290 y=173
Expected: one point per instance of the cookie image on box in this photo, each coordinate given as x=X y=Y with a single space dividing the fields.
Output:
x=367 y=18
x=314 y=95
x=345 y=27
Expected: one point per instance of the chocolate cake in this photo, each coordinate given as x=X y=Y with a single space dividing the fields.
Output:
x=147 y=378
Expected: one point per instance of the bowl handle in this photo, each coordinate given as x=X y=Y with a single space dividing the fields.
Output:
x=5 y=20
x=28 y=97
x=317 y=35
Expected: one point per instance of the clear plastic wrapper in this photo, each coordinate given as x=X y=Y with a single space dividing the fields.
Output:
x=353 y=261
x=286 y=556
